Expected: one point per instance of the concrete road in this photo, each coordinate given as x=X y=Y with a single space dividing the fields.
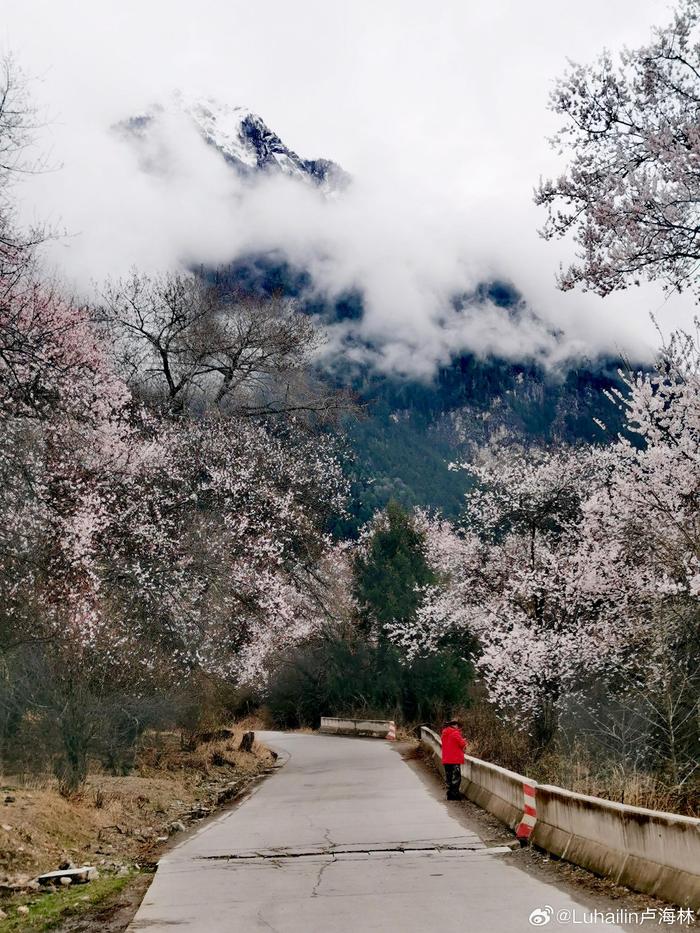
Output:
x=345 y=838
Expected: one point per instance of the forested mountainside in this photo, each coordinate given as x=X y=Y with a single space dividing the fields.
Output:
x=412 y=429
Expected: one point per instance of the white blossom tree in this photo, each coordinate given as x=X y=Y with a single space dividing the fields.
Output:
x=631 y=191
x=577 y=571
x=640 y=540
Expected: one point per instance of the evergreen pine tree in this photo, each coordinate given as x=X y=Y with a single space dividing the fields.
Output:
x=388 y=577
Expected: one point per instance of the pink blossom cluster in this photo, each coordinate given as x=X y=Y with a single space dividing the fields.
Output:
x=578 y=563
x=137 y=541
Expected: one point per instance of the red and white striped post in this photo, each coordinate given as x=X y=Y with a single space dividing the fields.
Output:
x=391 y=734
x=529 y=818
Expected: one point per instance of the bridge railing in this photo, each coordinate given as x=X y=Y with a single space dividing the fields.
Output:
x=333 y=725
x=647 y=850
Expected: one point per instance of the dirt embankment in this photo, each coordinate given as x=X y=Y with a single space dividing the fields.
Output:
x=119 y=825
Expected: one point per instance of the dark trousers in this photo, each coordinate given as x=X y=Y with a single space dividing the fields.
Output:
x=453 y=777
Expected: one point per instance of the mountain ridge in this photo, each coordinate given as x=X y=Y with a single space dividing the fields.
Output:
x=415 y=427
x=241 y=137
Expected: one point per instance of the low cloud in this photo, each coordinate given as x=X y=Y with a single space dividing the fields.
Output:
x=441 y=121
x=172 y=202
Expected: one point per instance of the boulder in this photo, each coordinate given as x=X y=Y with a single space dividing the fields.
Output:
x=74 y=876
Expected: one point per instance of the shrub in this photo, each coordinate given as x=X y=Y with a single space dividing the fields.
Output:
x=347 y=675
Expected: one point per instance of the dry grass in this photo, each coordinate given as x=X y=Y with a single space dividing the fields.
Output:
x=494 y=740
x=406 y=734
x=206 y=759
x=614 y=782
x=115 y=820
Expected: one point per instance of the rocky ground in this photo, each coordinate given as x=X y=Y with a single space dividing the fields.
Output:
x=118 y=825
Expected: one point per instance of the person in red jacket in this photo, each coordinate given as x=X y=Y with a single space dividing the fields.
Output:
x=453 y=746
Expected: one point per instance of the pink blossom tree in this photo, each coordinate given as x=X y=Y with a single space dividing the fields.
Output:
x=640 y=540
x=519 y=589
x=577 y=572
x=188 y=544
x=630 y=193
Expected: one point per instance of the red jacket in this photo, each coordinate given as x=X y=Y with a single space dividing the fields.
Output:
x=453 y=745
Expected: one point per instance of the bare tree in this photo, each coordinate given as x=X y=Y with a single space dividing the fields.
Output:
x=17 y=122
x=181 y=344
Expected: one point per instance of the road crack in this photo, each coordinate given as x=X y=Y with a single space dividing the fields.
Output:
x=276 y=855
x=319 y=877
x=262 y=920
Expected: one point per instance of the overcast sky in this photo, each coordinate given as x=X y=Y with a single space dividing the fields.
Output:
x=437 y=110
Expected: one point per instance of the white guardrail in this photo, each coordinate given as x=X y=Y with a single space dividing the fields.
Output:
x=378 y=728
x=647 y=850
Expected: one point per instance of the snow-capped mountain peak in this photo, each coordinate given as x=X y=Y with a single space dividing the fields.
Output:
x=222 y=126
x=242 y=138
